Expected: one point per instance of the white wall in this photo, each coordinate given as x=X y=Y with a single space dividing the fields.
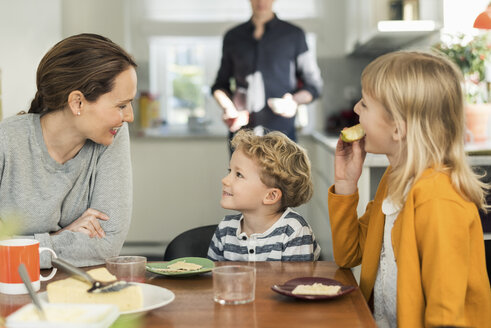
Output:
x=28 y=28
x=106 y=17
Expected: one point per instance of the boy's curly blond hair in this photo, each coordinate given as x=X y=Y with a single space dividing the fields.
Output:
x=283 y=164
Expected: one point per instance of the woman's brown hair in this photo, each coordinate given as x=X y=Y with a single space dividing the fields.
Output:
x=85 y=62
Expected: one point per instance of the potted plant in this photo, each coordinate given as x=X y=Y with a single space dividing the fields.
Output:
x=472 y=56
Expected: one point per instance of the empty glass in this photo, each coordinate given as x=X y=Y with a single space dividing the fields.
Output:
x=234 y=284
x=127 y=268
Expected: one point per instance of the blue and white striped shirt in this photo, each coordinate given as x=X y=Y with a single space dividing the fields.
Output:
x=288 y=239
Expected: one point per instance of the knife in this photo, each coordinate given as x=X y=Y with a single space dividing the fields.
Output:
x=97 y=286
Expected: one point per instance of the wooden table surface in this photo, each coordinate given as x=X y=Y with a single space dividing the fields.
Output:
x=194 y=305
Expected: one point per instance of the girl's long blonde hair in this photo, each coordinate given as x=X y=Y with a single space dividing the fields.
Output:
x=424 y=93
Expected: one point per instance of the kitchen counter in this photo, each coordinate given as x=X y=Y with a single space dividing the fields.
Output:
x=479 y=156
x=171 y=193
x=478 y=153
x=180 y=132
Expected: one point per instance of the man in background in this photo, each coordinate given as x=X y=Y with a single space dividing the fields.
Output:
x=266 y=71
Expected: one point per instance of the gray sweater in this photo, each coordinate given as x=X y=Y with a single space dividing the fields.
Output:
x=45 y=196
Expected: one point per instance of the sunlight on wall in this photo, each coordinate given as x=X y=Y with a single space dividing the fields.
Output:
x=223 y=10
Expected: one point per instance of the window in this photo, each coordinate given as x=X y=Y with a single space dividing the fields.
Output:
x=182 y=69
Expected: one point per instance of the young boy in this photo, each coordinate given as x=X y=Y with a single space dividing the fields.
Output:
x=267 y=176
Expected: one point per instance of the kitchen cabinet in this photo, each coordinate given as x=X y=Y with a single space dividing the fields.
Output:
x=372 y=29
x=176 y=187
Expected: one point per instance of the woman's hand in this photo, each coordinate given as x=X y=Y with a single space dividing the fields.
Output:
x=88 y=223
x=348 y=165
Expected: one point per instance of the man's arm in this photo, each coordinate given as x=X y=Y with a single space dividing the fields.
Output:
x=308 y=72
x=225 y=103
x=302 y=97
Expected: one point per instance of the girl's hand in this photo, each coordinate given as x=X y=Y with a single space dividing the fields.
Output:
x=88 y=223
x=348 y=166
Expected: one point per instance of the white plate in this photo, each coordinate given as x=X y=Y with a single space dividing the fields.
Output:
x=86 y=316
x=153 y=297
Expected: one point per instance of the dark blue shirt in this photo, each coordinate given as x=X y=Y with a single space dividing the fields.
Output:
x=276 y=64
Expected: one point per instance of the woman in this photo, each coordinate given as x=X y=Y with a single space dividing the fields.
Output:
x=65 y=166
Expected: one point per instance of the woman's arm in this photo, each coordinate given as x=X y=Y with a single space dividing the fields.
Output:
x=110 y=193
x=308 y=72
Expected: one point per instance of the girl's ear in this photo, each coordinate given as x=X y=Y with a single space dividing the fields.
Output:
x=273 y=196
x=399 y=132
x=75 y=102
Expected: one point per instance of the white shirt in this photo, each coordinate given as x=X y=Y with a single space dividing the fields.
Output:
x=290 y=238
x=385 y=290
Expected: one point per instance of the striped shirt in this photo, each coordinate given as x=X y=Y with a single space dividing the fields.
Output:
x=290 y=238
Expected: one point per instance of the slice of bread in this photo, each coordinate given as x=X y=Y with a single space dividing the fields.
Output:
x=72 y=290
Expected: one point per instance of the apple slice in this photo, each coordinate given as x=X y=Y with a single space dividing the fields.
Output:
x=352 y=134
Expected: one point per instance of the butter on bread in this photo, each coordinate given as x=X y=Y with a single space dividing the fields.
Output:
x=72 y=290
x=180 y=266
x=184 y=266
x=316 y=289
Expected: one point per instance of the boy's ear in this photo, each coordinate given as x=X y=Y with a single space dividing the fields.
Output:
x=75 y=99
x=272 y=196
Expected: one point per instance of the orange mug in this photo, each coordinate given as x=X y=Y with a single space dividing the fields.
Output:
x=13 y=252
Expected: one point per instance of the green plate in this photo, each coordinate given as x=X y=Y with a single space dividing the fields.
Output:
x=207 y=266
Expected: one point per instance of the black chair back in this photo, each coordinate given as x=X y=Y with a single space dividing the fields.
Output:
x=193 y=242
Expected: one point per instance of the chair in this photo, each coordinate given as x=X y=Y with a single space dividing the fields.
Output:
x=193 y=242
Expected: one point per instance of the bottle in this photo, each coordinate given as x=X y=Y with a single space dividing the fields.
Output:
x=395 y=10
x=411 y=10
x=144 y=104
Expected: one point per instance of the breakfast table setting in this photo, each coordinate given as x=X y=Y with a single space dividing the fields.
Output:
x=192 y=292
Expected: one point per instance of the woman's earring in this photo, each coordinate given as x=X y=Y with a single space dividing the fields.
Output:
x=78 y=113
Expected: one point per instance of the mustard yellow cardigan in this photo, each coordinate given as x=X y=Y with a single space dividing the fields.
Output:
x=439 y=249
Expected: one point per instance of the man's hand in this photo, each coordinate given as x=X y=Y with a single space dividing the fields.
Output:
x=233 y=118
x=235 y=123
x=285 y=106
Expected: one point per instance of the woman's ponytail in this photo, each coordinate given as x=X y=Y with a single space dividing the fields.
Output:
x=37 y=104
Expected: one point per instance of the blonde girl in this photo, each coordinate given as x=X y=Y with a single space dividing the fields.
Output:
x=420 y=242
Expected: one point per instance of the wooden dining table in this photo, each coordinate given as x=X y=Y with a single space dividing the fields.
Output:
x=194 y=306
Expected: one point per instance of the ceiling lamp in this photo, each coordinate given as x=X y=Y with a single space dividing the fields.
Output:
x=483 y=21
